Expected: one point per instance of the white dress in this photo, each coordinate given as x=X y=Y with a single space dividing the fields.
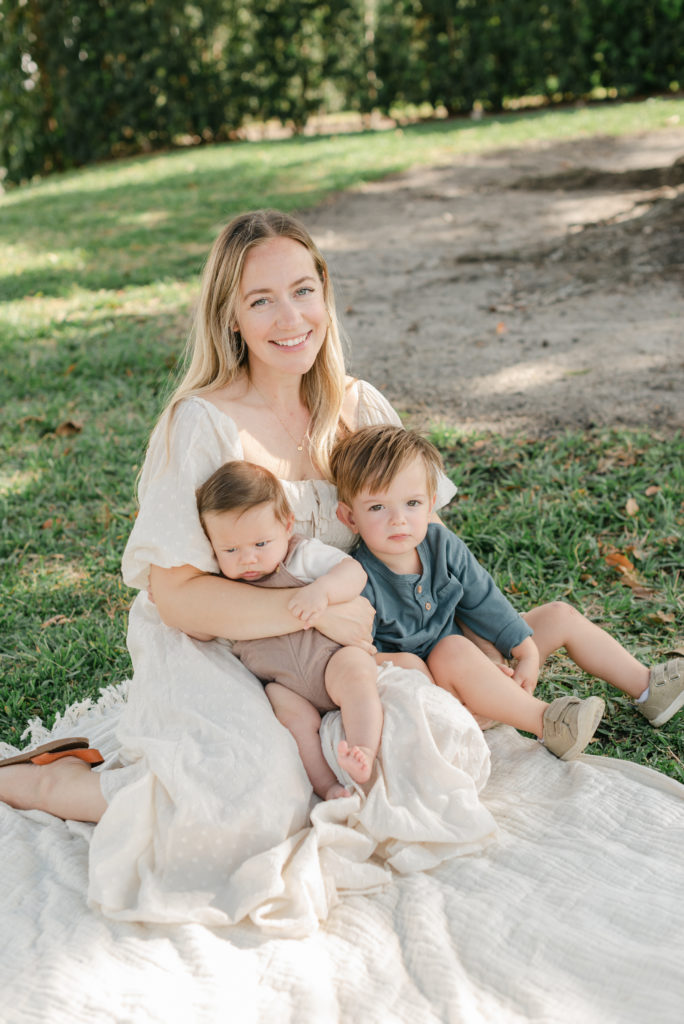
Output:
x=210 y=817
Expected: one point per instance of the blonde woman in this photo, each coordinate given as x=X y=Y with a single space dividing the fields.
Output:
x=264 y=381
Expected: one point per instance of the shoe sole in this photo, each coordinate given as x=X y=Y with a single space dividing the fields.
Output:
x=669 y=712
x=591 y=713
x=72 y=745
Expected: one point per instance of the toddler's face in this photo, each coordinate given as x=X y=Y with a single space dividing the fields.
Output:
x=248 y=545
x=394 y=521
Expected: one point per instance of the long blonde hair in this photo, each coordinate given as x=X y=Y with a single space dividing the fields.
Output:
x=216 y=353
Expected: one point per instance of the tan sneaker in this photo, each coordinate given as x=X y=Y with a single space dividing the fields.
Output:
x=666 y=695
x=570 y=723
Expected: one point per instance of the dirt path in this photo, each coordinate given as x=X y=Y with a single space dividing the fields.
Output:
x=524 y=290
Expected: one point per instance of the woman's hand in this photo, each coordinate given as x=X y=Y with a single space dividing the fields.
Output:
x=349 y=623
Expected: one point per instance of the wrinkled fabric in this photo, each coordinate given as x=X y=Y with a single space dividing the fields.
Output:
x=573 y=913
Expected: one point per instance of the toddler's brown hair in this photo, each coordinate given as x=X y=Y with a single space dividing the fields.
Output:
x=370 y=458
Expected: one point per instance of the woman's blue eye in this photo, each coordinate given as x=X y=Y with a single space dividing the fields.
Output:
x=304 y=290
x=257 y=302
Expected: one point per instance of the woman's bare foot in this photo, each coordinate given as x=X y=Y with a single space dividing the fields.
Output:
x=336 y=791
x=356 y=761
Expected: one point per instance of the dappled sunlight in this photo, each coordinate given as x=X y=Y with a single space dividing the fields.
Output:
x=530 y=375
x=18 y=481
x=52 y=572
x=21 y=256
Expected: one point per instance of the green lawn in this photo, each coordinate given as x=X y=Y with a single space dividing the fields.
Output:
x=99 y=269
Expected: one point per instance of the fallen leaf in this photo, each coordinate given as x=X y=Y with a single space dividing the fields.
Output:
x=650 y=491
x=501 y=327
x=68 y=427
x=631 y=507
x=638 y=588
x=620 y=562
x=56 y=620
x=661 y=616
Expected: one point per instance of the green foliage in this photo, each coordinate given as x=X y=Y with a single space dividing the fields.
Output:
x=487 y=51
x=84 y=80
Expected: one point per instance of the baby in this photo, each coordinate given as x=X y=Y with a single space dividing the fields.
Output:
x=249 y=523
x=425 y=584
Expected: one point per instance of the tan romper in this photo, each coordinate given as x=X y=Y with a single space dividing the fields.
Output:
x=297 y=660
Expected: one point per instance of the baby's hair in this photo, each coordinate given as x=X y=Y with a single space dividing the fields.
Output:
x=370 y=458
x=239 y=486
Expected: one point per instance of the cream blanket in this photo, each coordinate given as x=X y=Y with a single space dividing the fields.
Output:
x=568 y=909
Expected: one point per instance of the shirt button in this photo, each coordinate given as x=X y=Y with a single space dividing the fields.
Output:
x=419 y=589
x=428 y=606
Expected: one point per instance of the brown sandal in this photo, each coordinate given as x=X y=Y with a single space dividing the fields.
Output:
x=76 y=746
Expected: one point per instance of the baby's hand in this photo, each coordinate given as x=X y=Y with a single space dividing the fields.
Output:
x=308 y=603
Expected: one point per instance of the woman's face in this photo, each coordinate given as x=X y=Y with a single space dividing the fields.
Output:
x=281 y=311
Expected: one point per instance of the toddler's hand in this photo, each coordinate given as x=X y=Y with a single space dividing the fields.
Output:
x=526 y=673
x=308 y=603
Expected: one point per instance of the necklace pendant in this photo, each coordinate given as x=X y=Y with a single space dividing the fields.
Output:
x=300 y=447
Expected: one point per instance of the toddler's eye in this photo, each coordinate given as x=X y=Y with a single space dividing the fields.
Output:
x=375 y=508
x=230 y=551
x=414 y=503
x=261 y=543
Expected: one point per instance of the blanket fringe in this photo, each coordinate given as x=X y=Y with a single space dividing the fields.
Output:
x=36 y=732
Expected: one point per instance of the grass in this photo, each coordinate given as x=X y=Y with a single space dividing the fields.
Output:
x=100 y=271
x=550 y=520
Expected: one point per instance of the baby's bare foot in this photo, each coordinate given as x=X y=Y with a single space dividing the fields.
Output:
x=336 y=791
x=356 y=761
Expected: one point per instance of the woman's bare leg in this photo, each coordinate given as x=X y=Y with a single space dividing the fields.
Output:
x=465 y=671
x=558 y=625
x=300 y=717
x=351 y=681
x=67 y=788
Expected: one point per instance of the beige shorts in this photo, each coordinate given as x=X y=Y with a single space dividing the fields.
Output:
x=297 y=661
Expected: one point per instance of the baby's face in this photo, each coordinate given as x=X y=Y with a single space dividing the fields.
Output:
x=393 y=522
x=248 y=545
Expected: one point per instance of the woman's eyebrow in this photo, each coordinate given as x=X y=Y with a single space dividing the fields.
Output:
x=266 y=291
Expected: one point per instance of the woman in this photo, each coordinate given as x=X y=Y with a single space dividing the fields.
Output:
x=207 y=816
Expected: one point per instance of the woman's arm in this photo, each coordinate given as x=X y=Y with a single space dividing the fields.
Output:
x=204 y=605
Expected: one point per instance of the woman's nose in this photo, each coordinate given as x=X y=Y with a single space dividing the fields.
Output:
x=288 y=314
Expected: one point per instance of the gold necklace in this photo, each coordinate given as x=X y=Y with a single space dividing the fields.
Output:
x=300 y=444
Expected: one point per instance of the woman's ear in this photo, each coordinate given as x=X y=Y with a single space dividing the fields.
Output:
x=346 y=516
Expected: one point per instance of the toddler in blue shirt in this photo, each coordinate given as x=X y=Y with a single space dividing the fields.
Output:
x=429 y=590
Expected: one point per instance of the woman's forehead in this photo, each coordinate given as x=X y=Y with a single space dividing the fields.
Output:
x=276 y=262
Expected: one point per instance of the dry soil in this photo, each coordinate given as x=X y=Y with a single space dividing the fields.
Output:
x=526 y=290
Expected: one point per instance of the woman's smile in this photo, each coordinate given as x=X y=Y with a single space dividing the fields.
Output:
x=297 y=342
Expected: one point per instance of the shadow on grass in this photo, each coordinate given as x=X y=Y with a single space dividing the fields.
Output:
x=159 y=215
